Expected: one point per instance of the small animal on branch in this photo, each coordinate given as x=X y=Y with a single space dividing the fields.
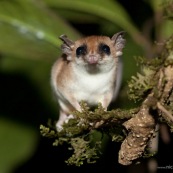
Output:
x=90 y=70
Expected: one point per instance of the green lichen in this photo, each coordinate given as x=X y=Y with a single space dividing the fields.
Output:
x=83 y=151
x=141 y=84
x=78 y=132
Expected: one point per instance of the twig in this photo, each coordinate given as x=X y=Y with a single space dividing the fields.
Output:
x=167 y=115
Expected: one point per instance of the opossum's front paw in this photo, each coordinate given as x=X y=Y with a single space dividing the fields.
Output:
x=59 y=124
x=68 y=118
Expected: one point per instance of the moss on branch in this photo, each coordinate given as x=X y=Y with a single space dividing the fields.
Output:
x=78 y=131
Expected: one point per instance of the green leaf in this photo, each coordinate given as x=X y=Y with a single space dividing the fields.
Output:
x=29 y=29
x=156 y=4
x=109 y=10
x=18 y=143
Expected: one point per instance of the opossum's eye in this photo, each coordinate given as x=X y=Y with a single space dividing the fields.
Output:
x=103 y=48
x=81 y=50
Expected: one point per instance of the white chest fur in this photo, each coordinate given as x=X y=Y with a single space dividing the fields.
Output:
x=92 y=87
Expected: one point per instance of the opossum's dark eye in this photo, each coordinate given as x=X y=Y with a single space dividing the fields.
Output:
x=103 y=48
x=81 y=50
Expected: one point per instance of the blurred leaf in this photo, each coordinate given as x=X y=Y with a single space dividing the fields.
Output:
x=156 y=4
x=18 y=142
x=29 y=29
x=74 y=16
x=24 y=45
x=109 y=10
x=166 y=27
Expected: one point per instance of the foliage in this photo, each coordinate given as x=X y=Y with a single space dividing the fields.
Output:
x=78 y=132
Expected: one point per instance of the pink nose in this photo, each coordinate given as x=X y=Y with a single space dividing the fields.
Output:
x=92 y=59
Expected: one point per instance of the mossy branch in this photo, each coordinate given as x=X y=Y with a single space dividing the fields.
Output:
x=78 y=131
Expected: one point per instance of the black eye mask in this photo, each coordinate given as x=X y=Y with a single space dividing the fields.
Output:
x=104 y=49
x=81 y=50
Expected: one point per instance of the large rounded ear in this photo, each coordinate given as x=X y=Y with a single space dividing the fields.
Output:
x=119 y=42
x=67 y=45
